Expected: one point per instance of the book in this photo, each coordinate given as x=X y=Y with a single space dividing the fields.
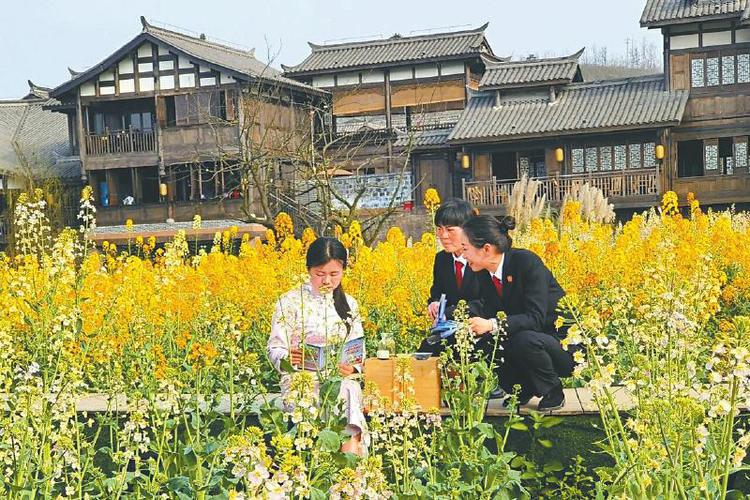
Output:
x=442 y=328
x=351 y=353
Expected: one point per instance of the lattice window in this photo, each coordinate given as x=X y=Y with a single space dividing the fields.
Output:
x=649 y=155
x=621 y=158
x=712 y=71
x=740 y=154
x=727 y=70
x=605 y=154
x=729 y=165
x=697 y=77
x=523 y=165
x=743 y=68
x=634 y=151
x=711 y=156
x=577 y=157
x=591 y=159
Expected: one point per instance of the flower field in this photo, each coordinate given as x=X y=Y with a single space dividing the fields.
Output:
x=661 y=303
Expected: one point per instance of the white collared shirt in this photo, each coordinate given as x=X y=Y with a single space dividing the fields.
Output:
x=463 y=262
x=499 y=271
x=499 y=275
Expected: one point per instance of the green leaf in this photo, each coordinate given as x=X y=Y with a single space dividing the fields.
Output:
x=519 y=426
x=330 y=440
x=546 y=443
x=211 y=447
x=286 y=366
x=179 y=483
x=553 y=466
x=486 y=430
x=735 y=495
x=316 y=494
x=551 y=421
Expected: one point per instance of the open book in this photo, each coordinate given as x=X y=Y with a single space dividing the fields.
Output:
x=352 y=353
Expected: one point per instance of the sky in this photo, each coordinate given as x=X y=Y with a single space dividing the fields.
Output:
x=41 y=39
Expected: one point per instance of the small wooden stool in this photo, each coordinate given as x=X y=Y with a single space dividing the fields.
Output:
x=424 y=372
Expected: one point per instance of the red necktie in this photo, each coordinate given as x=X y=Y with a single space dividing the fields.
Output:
x=498 y=285
x=459 y=275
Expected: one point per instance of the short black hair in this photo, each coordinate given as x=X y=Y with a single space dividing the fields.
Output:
x=453 y=212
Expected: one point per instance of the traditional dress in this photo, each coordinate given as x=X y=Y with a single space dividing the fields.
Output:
x=305 y=311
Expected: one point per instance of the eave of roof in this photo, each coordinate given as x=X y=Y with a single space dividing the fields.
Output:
x=614 y=105
x=659 y=13
x=151 y=34
x=532 y=73
x=307 y=68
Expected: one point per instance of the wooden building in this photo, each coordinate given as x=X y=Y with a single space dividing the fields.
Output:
x=707 y=55
x=399 y=95
x=537 y=117
x=168 y=112
x=34 y=150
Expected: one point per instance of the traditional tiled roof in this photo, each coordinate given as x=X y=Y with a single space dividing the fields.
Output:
x=665 y=12
x=33 y=140
x=529 y=73
x=241 y=61
x=632 y=103
x=393 y=51
x=423 y=138
x=238 y=62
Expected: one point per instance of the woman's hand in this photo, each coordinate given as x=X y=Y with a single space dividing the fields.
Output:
x=295 y=357
x=480 y=326
x=346 y=370
x=432 y=309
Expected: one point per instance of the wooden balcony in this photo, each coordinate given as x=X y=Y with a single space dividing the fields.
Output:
x=121 y=142
x=624 y=188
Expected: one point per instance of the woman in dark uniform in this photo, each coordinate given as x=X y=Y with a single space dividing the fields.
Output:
x=516 y=282
x=451 y=275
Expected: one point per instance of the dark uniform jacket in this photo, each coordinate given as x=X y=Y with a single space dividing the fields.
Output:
x=444 y=281
x=530 y=294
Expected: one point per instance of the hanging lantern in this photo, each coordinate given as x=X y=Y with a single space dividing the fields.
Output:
x=465 y=161
x=659 y=152
x=163 y=189
x=559 y=155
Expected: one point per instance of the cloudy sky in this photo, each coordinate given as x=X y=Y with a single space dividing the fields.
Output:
x=40 y=39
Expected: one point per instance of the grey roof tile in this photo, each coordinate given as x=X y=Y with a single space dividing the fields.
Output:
x=241 y=61
x=631 y=103
x=394 y=50
x=423 y=138
x=238 y=61
x=531 y=72
x=664 y=12
x=41 y=136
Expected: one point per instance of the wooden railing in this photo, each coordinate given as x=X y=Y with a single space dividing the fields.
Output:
x=614 y=184
x=123 y=141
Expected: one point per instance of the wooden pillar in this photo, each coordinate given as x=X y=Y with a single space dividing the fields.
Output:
x=112 y=185
x=136 y=198
x=172 y=184
x=81 y=134
x=192 y=183
x=388 y=118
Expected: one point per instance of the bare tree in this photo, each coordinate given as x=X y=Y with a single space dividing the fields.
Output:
x=287 y=155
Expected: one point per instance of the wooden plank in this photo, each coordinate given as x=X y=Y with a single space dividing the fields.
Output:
x=427 y=93
x=360 y=100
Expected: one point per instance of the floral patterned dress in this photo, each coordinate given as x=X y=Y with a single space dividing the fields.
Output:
x=303 y=311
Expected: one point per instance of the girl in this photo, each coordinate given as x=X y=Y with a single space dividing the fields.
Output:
x=518 y=283
x=320 y=311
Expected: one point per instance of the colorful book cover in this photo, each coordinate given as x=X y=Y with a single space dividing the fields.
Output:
x=352 y=353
